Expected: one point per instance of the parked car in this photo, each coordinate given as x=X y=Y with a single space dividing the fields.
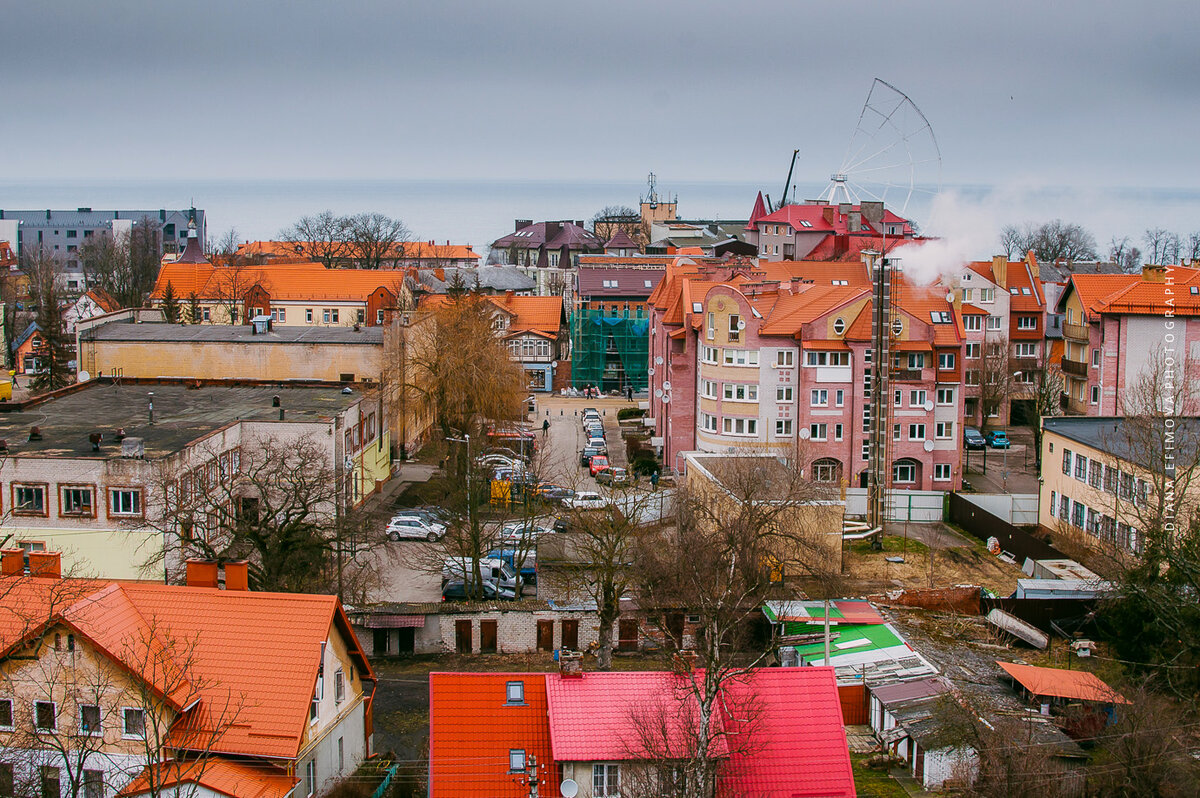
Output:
x=614 y=477
x=548 y=491
x=528 y=563
x=587 y=453
x=597 y=464
x=429 y=512
x=456 y=590
x=598 y=443
x=997 y=439
x=494 y=571
x=586 y=500
x=500 y=461
x=412 y=527
x=972 y=439
x=515 y=531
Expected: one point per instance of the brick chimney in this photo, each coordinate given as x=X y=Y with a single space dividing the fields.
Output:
x=202 y=573
x=237 y=575
x=1152 y=273
x=1034 y=268
x=1000 y=270
x=12 y=562
x=45 y=563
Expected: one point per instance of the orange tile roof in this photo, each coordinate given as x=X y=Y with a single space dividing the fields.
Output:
x=1145 y=297
x=223 y=776
x=1059 y=683
x=409 y=250
x=472 y=728
x=539 y=314
x=283 y=281
x=261 y=648
x=1094 y=288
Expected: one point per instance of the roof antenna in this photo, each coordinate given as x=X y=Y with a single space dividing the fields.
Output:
x=786 y=186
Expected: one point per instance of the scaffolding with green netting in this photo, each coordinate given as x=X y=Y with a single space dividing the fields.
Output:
x=609 y=350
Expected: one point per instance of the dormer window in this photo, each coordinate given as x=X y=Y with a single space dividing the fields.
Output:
x=515 y=693
x=839 y=326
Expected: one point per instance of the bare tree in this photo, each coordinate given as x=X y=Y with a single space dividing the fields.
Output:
x=374 y=239
x=1162 y=246
x=55 y=350
x=229 y=286
x=1125 y=255
x=1047 y=387
x=321 y=237
x=1016 y=240
x=1050 y=241
x=1192 y=247
x=613 y=218
x=995 y=379
x=1149 y=751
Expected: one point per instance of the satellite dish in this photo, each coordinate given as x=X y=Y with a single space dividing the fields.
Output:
x=741 y=324
x=950 y=297
x=928 y=446
x=666 y=399
x=569 y=788
x=666 y=385
x=650 y=371
x=658 y=391
x=658 y=360
x=349 y=464
x=805 y=434
x=928 y=405
x=84 y=376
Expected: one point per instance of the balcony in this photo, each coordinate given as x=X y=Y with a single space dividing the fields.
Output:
x=906 y=375
x=1026 y=365
x=1078 y=332
x=1074 y=367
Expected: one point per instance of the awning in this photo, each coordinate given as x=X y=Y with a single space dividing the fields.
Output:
x=395 y=621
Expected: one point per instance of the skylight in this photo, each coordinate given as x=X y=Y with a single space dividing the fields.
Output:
x=939 y=317
x=649 y=284
x=1025 y=291
x=839 y=282
x=697 y=307
x=805 y=223
x=1014 y=290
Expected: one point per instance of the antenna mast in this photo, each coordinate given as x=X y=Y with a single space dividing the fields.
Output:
x=788 y=184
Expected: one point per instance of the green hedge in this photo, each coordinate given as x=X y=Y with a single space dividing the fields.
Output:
x=630 y=412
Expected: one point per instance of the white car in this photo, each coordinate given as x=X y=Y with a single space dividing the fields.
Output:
x=518 y=530
x=586 y=500
x=414 y=528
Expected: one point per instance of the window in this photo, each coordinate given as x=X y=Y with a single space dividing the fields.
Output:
x=972 y=322
x=339 y=686
x=740 y=426
x=29 y=499
x=1095 y=358
x=827 y=359
x=783 y=426
x=819 y=398
x=971 y=377
x=1125 y=486
x=839 y=398
x=1027 y=322
x=279 y=314
x=735 y=327
x=839 y=326
x=818 y=432
x=916 y=360
x=987 y=295
x=45 y=715
x=993 y=323
x=72 y=233
x=945 y=396
x=606 y=781
x=1077 y=511
x=916 y=432
x=1095 y=473
x=708 y=354
x=360 y=316
x=50 y=782
x=784 y=358
x=895 y=432
x=783 y=394
x=904 y=472
x=341 y=745
x=310 y=777
x=124 y=501
x=1081 y=468
x=897 y=398
x=1110 y=479
x=708 y=389
x=837 y=432
x=941 y=472
x=708 y=422
x=1067 y=462
x=866 y=450
x=738 y=392
x=76 y=501
x=325 y=315
x=917 y=398
x=826 y=470
x=1095 y=394
x=516 y=760
x=233 y=315
x=255 y=312
x=514 y=693
x=940 y=316
x=1026 y=350
x=308 y=315
x=1064 y=507
x=946 y=361
x=133 y=722
x=378 y=316
x=6 y=713
x=89 y=719
x=7 y=779
x=943 y=430
x=973 y=351
x=741 y=357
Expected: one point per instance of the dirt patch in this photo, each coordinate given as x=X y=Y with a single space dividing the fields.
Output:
x=870 y=571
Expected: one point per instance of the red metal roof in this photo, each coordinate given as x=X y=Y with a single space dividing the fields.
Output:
x=222 y=776
x=1059 y=683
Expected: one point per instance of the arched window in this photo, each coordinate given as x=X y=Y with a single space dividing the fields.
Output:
x=827 y=469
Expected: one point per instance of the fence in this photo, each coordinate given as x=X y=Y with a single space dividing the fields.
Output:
x=853 y=698
x=1018 y=509
x=982 y=524
x=903 y=505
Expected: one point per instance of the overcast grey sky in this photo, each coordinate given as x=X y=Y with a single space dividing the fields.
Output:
x=1094 y=94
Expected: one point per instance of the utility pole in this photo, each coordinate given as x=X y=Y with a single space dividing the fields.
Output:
x=531 y=776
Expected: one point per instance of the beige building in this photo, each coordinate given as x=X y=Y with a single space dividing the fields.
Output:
x=1102 y=475
x=89 y=472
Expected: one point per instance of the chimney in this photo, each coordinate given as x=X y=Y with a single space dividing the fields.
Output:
x=95 y=438
x=829 y=213
x=684 y=662
x=1034 y=268
x=1000 y=270
x=1151 y=273
x=12 y=562
x=570 y=664
x=237 y=575
x=45 y=563
x=201 y=573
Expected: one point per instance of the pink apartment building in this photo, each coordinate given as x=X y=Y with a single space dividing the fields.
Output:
x=1118 y=326
x=775 y=357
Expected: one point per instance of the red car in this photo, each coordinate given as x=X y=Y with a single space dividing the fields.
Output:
x=597 y=464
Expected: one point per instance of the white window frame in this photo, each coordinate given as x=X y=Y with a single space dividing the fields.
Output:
x=1025 y=350
x=1026 y=322
x=993 y=323
x=339 y=686
x=818 y=432
x=839 y=398
x=945 y=397
x=972 y=322
x=819 y=397
x=125 y=733
x=114 y=494
x=943 y=430
x=785 y=358
x=987 y=295
x=99 y=728
x=603 y=786
x=916 y=432
x=946 y=361
x=708 y=389
x=941 y=472
x=897 y=480
x=710 y=354
x=917 y=398
x=973 y=351
x=516 y=760
x=783 y=427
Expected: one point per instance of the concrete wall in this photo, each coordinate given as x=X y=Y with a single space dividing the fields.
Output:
x=516 y=630
x=1019 y=509
x=903 y=505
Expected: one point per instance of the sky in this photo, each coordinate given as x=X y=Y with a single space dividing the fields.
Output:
x=1024 y=93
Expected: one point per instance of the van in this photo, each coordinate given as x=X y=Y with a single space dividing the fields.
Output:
x=528 y=564
x=495 y=571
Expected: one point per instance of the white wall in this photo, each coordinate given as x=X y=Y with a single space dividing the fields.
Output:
x=948 y=763
x=904 y=505
x=1016 y=508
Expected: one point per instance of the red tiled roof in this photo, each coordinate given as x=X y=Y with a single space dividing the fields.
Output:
x=222 y=776
x=472 y=728
x=757 y=213
x=1093 y=288
x=540 y=314
x=796 y=746
x=1146 y=297
x=255 y=650
x=620 y=240
x=1059 y=683
x=283 y=281
x=104 y=300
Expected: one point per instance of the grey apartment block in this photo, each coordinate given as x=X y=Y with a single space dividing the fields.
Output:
x=62 y=232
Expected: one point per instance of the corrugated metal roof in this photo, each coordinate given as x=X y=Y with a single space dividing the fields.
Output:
x=1059 y=683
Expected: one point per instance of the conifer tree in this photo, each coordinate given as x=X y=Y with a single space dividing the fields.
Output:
x=170 y=304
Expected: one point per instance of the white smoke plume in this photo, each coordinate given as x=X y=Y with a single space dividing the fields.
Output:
x=964 y=230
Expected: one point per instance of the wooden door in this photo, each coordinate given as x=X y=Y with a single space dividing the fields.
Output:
x=545 y=635
x=570 y=635
x=408 y=641
x=487 y=637
x=627 y=634
x=462 y=637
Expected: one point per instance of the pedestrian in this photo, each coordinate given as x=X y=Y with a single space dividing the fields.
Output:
x=13 y=376
x=629 y=392
x=545 y=427
x=654 y=480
